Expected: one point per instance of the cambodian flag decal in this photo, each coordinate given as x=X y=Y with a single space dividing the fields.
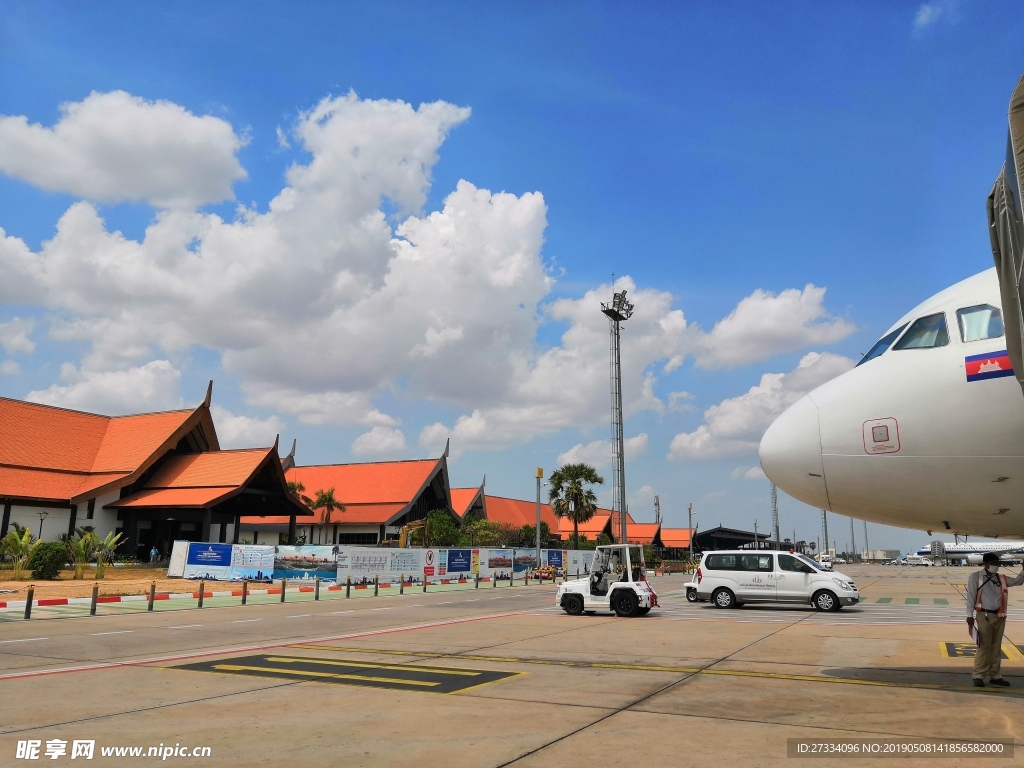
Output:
x=993 y=365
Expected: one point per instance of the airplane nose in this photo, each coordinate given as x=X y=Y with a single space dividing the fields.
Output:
x=790 y=454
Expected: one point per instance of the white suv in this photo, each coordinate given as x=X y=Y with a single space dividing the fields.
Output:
x=731 y=578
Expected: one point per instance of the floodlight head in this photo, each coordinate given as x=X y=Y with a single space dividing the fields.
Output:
x=619 y=309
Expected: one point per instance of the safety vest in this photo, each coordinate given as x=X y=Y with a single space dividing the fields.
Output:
x=1003 y=583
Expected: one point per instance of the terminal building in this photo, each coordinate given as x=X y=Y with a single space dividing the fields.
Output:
x=153 y=477
x=160 y=477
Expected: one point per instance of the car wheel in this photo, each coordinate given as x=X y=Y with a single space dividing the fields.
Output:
x=573 y=605
x=691 y=595
x=826 y=601
x=624 y=603
x=723 y=598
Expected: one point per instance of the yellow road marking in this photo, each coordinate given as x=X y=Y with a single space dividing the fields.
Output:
x=398 y=667
x=507 y=660
x=678 y=670
x=331 y=675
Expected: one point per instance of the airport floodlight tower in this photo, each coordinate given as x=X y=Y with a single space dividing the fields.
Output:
x=824 y=528
x=775 y=515
x=853 y=543
x=618 y=311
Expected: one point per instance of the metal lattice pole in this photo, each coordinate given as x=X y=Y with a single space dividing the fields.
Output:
x=775 y=515
x=824 y=529
x=618 y=311
x=853 y=543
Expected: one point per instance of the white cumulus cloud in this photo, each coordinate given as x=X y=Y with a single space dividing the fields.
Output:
x=14 y=336
x=9 y=368
x=734 y=426
x=599 y=453
x=236 y=431
x=342 y=289
x=155 y=386
x=766 y=324
x=112 y=147
x=379 y=441
x=748 y=473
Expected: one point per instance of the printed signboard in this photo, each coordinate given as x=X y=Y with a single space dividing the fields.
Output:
x=442 y=562
x=460 y=560
x=208 y=561
x=553 y=557
x=306 y=562
x=253 y=562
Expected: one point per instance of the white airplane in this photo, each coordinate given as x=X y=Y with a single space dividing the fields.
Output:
x=927 y=431
x=1008 y=551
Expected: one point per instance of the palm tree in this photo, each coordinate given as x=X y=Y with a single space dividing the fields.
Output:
x=325 y=500
x=571 y=495
x=82 y=550
x=19 y=545
x=104 y=549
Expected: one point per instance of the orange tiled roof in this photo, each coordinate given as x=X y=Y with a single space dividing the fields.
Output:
x=519 y=513
x=373 y=483
x=674 y=538
x=198 y=479
x=641 y=533
x=593 y=528
x=55 y=454
x=373 y=493
x=462 y=500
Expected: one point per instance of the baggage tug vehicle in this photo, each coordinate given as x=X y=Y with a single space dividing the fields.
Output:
x=617 y=582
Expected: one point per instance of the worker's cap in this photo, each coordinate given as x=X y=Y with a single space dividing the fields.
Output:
x=990 y=557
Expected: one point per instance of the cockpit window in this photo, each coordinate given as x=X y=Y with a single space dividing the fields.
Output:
x=925 y=333
x=881 y=345
x=981 y=322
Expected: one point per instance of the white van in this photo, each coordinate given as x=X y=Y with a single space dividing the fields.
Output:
x=731 y=578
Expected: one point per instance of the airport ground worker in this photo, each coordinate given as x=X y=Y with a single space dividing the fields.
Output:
x=986 y=613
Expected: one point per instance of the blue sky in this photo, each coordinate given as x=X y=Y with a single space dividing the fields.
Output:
x=435 y=271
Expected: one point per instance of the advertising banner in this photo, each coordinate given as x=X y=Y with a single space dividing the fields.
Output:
x=499 y=563
x=553 y=557
x=460 y=561
x=306 y=562
x=442 y=562
x=362 y=564
x=476 y=561
x=252 y=561
x=525 y=560
x=208 y=561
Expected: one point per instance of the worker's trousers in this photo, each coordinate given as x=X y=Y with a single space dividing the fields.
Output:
x=990 y=637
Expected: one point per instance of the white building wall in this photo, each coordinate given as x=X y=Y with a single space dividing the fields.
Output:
x=55 y=523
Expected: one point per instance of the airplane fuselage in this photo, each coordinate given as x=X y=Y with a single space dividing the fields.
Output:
x=927 y=436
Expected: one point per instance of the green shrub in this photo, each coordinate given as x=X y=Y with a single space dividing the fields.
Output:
x=48 y=559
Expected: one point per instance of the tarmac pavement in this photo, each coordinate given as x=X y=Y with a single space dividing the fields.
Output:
x=495 y=677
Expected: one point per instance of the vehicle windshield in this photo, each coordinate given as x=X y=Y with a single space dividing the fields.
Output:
x=882 y=345
x=808 y=561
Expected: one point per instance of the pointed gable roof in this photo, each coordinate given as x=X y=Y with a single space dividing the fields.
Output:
x=518 y=513
x=204 y=480
x=675 y=538
x=63 y=456
x=463 y=499
x=374 y=493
